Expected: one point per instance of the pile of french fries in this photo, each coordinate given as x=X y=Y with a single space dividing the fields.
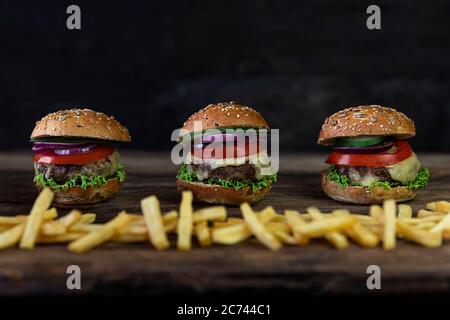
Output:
x=382 y=226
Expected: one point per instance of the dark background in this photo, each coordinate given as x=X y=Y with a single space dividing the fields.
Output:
x=153 y=63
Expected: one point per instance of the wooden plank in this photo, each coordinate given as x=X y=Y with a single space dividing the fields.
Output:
x=316 y=268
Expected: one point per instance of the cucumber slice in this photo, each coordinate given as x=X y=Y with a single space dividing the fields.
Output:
x=359 y=142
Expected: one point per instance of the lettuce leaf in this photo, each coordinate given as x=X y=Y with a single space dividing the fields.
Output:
x=420 y=182
x=188 y=176
x=82 y=181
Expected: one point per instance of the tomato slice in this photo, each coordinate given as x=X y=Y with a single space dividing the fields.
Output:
x=380 y=159
x=227 y=152
x=98 y=153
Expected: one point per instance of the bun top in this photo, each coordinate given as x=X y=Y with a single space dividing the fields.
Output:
x=226 y=114
x=369 y=120
x=83 y=123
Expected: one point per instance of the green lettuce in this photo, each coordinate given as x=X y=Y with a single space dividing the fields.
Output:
x=188 y=176
x=420 y=182
x=79 y=180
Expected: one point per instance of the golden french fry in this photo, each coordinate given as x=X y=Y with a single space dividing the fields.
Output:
x=440 y=206
x=362 y=236
x=85 y=227
x=170 y=216
x=228 y=223
x=444 y=224
x=294 y=219
x=233 y=220
x=171 y=226
x=12 y=221
x=425 y=225
x=281 y=234
x=52 y=228
x=63 y=238
x=267 y=214
x=95 y=238
x=320 y=228
x=50 y=214
x=87 y=218
x=153 y=220
x=426 y=213
x=404 y=211
x=274 y=225
x=184 y=228
x=12 y=236
x=216 y=213
x=337 y=239
x=203 y=234
x=70 y=219
x=377 y=213
x=232 y=234
x=123 y=237
x=258 y=229
x=425 y=238
x=33 y=224
x=389 y=231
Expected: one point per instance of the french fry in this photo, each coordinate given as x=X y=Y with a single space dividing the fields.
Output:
x=95 y=238
x=425 y=238
x=184 y=228
x=258 y=229
x=12 y=221
x=362 y=236
x=85 y=227
x=229 y=222
x=274 y=225
x=52 y=228
x=63 y=238
x=404 y=211
x=33 y=224
x=444 y=224
x=389 y=231
x=216 y=213
x=232 y=234
x=426 y=225
x=281 y=234
x=153 y=220
x=267 y=214
x=50 y=214
x=123 y=237
x=320 y=228
x=203 y=234
x=440 y=206
x=377 y=213
x=294 y=219
x=171 y=226
x=87 y=218
x=12 y=236
x=337 y=239
x=170 y=216
x=70 y=219
x=426 y=213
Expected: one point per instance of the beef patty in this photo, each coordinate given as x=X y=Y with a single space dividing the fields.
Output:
x=244 y=173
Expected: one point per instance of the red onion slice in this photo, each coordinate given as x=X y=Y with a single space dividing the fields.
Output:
x=79 y=150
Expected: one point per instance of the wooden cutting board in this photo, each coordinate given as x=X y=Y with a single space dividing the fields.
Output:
x=317 y=268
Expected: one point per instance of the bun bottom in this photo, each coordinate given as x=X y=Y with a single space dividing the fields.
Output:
x=218 y=194
x=361 y=195
x=78 y=197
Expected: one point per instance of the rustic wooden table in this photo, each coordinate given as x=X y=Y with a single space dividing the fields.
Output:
x=317 y=269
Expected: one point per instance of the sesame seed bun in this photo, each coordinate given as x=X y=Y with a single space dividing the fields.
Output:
x=78 y=197
x=361 y=195
x=369 y=120
x=82 y=123
x=218 y=194
x=225 y=114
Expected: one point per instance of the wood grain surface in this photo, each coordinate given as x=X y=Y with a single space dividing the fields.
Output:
x=318 y=268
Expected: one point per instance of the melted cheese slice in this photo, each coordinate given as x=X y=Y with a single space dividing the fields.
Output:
x=405 y=171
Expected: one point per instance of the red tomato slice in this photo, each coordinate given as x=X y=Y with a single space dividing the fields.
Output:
x=380 y=159
x=227 y=152
x=98 y=153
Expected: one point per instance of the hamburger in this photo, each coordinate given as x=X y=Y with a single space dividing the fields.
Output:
x=224 y=163
x=75 y=157
x=372 y=160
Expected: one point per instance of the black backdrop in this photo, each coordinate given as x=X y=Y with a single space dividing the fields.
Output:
x=153 y=63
